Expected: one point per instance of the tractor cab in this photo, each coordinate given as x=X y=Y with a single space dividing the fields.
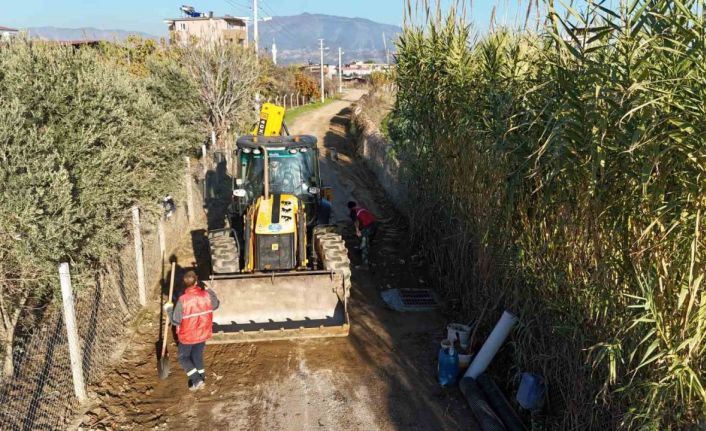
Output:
x=292 y=169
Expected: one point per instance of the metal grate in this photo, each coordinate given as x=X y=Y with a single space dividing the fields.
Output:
x=417 y=298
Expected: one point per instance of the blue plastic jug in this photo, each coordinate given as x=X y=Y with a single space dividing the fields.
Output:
x=530 y=394
x=448 y=364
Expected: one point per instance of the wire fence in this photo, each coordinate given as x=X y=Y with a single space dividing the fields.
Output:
x=40 y=393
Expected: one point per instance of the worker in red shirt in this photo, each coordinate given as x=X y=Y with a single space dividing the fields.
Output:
x=365 y=228
x=193 y=318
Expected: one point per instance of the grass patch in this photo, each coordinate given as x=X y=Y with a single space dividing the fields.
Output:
x=293 y=113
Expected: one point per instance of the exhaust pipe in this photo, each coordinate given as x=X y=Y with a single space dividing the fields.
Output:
x=266 y=172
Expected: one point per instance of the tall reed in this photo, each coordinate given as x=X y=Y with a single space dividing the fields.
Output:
x=567 y=168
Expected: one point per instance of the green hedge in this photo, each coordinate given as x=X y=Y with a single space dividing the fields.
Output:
x=81 y=141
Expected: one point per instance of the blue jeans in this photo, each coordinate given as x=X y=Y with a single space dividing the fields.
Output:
x=191 y=360
x=366 y=237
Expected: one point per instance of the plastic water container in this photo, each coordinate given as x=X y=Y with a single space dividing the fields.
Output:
x=458 y=331
x=448 y=364
x=464 y=361
x=530 y=394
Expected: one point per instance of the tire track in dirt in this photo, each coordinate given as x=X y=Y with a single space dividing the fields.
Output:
x=381 y=377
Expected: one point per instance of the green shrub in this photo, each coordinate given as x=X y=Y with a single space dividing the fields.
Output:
x=81 y=141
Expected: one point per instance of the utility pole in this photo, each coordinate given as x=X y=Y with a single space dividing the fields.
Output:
x=340 y=71
x=274 y=51
x=254 y=29
x=321 y=47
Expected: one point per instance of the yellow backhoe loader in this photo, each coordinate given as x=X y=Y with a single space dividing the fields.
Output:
x=277 y=270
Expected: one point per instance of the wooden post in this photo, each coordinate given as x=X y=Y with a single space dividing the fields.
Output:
x=139 y=259
x=67 y=297
x=162 y=238
x=229 y=155
x=189 y=190
x=204 y=158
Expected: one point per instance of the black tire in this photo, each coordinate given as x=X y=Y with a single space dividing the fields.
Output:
x=333 y=256
x=224 y=255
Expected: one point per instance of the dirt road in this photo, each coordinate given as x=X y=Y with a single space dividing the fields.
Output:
x=381 y=377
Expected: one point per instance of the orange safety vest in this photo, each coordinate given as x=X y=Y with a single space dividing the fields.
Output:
x=365 y=217
x=197 y=316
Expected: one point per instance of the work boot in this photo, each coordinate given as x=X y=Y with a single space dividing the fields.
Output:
x=197 y=386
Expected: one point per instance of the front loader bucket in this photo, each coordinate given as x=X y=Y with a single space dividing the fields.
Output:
x=278 y=306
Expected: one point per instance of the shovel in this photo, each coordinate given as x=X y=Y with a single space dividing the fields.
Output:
x=163 y=364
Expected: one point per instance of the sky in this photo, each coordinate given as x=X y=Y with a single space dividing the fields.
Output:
x=148 y=15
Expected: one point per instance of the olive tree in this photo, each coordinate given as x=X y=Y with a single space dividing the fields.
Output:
x=81 y=141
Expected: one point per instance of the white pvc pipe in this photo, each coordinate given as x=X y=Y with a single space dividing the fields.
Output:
x=492 y=345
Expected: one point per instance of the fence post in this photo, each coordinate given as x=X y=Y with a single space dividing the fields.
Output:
x=229 y=155
x=189 y=190
x=139 y=260
x=67 y=297
x=162 y=238
x=204 y=158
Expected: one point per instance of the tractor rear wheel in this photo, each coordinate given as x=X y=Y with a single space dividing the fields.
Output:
x=224 y=254
x=333 y=256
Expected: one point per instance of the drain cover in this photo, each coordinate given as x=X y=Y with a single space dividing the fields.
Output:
x=417 y=298
x=410 y=299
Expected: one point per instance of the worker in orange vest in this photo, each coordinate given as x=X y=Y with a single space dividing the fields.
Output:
x=365 y=228
x=193 y=318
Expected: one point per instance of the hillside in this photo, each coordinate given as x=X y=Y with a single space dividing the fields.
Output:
x=84 y=33
x=298 y=36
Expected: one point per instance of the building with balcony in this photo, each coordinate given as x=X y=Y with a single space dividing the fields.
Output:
x=208 y=29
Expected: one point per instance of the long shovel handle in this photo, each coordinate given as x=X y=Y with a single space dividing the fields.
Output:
x=166 y=320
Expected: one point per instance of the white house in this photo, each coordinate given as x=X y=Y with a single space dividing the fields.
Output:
x=208 y=28
x=6 y=33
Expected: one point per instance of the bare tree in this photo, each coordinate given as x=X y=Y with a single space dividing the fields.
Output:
x=226 y=78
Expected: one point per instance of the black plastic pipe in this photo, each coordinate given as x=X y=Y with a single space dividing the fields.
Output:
x=500 y=404
x=480 y=407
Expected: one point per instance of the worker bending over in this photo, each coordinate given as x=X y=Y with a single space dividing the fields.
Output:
x=365 y=228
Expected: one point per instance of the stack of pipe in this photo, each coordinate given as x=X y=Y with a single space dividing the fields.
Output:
x=488 y=404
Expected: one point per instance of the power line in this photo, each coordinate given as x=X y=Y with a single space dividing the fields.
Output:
x=268 y=10
x=280 y=27
x=238 y=6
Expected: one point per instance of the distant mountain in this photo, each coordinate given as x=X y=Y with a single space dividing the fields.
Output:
x=297 y=37
x=85 y=33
